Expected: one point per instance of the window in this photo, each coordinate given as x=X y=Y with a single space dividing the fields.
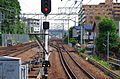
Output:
x=110 y=9
x=101 y=6
x=89 y=6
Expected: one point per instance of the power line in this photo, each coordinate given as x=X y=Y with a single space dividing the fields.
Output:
x=58 y=9
x=88 y=2
x=27 y=6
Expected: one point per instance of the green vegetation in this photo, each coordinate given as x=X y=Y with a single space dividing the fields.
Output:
x=70 y=32
x=100 y=61
x=73 y=41
x=11 y=24
x=66 y=39
x=105 y=26
x=97 y=17
x=82 y=50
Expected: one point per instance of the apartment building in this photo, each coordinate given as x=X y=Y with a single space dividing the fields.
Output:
x=88 y=14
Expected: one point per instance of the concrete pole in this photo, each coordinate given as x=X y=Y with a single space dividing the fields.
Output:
x=119 y=27
x=107 y=46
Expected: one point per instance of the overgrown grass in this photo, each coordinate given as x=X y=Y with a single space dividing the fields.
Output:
x=100 y=61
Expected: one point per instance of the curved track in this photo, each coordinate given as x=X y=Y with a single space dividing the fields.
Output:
x=74 y=71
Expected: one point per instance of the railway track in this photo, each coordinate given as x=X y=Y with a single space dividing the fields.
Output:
x=74 y=71
x=77 y=65
x=16 y=50
x=67 y=69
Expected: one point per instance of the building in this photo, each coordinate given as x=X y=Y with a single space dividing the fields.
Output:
x=34 y=25
x=88 y=14
x=76 y=31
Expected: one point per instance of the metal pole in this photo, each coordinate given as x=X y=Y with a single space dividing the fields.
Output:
x=81 y=35
x=0 y=21
x=75 y=21
x=119 y=27
x=68 y=30
x=107 y=46
x=46 y=44
x=63 y=31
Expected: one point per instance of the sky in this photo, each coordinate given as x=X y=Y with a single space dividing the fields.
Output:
x=34 y=6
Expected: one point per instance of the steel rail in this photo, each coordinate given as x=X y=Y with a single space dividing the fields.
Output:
x=77 y=64
x=68 y=71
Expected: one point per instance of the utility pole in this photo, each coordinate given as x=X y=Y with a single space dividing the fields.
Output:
x=81 y=35
x=68 y=30
x=0 y=21
x=108 y=46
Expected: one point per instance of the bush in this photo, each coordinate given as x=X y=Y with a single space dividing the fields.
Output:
x=100 y=61
x=82 y=50
x=73 y=41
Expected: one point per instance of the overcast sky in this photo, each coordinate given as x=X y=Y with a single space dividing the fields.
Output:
x=34 y=6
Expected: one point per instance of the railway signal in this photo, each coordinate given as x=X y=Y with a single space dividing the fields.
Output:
x=45 y=25
x=46 y=64
x=46 y=7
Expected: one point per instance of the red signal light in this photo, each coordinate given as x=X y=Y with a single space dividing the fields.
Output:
x=45 y=9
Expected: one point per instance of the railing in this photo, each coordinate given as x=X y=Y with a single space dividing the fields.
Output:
x=114 y=61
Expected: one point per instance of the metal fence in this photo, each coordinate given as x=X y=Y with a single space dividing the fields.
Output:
x=13 y=39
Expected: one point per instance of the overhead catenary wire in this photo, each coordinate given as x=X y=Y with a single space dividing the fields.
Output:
x=63 y=6
x=26 y=5
x=71 y=9
x=88 y=2
x=58 y=9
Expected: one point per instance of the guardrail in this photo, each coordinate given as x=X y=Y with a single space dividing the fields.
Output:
x=114 y=61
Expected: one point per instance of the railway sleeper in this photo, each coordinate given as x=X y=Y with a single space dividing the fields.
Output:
x=34 y=72
x=33 y=64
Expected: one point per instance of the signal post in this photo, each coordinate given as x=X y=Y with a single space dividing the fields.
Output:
x=46 y=9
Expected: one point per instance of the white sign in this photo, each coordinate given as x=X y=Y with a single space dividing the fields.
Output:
x=36 y=28
x=75 y=33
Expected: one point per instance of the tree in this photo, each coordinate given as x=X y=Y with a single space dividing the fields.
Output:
x=11 y=10
x=105 y=26
x=97 y=17
x=70 y=35
x=71 y=39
